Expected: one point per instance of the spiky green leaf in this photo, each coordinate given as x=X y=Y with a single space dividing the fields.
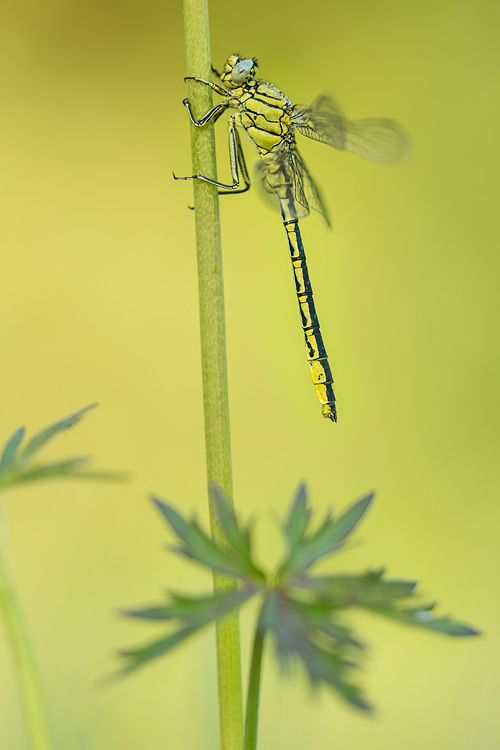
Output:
x=423 y=617
x=301 y=613
x=195 y=611
x=9 y=453
x=366 y=590
x=296 y=638
x=198 y=546
x=325 y=623
x=238 y=537
x=295 y=525
x=328 y=538
x=72 y=468
x=235 y=535
x=193 y=614
x=17 y=467
x=137 y=657
x=43 y=437
x=19 y=474
x=349 y=520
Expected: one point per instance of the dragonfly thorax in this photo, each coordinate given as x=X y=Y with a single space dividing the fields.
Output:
x=266 y=115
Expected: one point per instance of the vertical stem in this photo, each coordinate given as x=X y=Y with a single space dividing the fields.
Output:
x=213 y=354
x=252 y=712
x=29 y=682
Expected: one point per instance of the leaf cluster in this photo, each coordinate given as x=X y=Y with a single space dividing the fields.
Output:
x=19 y=464
x=302 y=612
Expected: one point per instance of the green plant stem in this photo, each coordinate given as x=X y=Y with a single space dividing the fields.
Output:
x=213 y=354
x=252 y=712
x=30 y=688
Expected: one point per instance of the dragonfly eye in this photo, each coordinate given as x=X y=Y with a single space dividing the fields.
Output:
x=242 y=70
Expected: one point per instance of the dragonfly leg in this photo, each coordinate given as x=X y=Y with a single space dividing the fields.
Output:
x=237 y=162
x=213 y=86
x=212 y=114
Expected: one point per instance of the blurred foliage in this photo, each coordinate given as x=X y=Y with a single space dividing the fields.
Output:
x=301 y=611
x=18 y=465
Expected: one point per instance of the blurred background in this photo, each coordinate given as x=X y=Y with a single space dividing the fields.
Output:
x=99 y=303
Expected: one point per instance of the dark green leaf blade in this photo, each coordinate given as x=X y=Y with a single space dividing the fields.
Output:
x=9 y=453
x=195 y=611
x=238 y=537
x=423 y=617
x=69 y=468
x=294 y=639
x=327 y=539
x=295 y=526
x=325 y=667
x=21 y=473
x=452 y=627
x=138 y=657
x=227 y=517
x=323 y=621
x=350 y=519
x=339 y=633
x=42 y=437
x=365 y=590
x=198 y=546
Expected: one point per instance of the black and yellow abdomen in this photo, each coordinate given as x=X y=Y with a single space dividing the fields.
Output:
x=315 y=347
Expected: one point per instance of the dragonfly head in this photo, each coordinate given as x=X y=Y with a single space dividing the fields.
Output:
x=237 y=70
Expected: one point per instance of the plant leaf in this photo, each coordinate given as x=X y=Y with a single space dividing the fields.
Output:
x=137 y=657
x=198 y=546
x=349 y=520
x=42 y=437
x=423 y=617
x=366 y=590
x=73 y=468
x=19 y=474
x=195 y=611
x=295 y=638
x=17 y=468
x=323 y=621
x=327 y=539
x=238 y=537
x=9 y=453
x=299 y=515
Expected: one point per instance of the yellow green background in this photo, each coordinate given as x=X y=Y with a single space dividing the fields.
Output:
x=98 y=302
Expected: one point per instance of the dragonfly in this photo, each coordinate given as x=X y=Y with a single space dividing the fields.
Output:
x=271 y=121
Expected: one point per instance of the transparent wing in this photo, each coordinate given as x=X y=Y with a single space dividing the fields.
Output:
x=265 y=190
x=286 y=184
x=379 y=140
x=306 y=191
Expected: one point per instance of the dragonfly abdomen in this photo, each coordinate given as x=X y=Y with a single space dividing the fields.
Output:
x=315 y=347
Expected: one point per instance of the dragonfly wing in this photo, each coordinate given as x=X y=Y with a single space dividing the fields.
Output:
x=379 y=140
x=266 y=192
x=323 y=120
x=285 y=183
x=305 y=189
x=282 y=186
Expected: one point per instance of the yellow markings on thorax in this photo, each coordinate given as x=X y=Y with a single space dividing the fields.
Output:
x=265 y=114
